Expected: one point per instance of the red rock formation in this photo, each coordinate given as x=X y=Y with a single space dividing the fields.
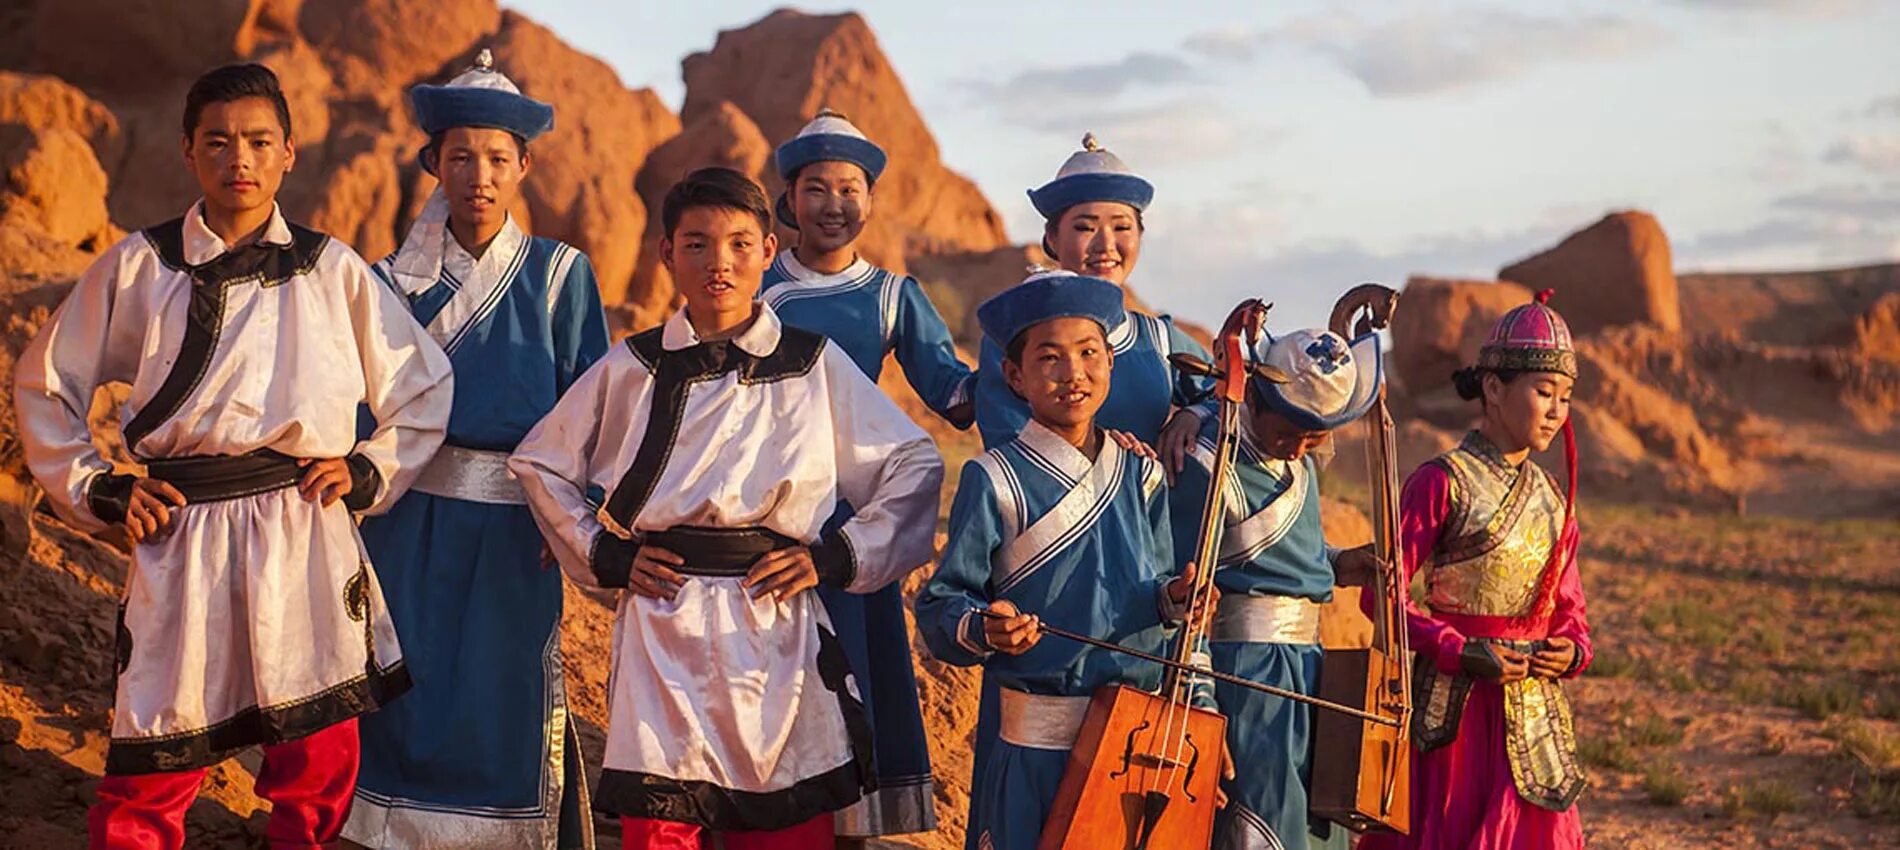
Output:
x=1614 y=272
x=54 y=185
x=1439 y=325
x=42 y=102
x=137 y=46
x=782 y=69
x=397 y=40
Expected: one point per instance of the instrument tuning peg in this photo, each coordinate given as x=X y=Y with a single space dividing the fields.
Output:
x=1269 y=373
x=1192 y=365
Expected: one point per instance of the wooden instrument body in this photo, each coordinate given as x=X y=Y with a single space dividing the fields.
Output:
x=1113 y=768
x=1362 y=771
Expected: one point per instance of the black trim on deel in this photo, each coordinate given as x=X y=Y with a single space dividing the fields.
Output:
x=109 y=496
x=268 y=265
x=366 y=481
x=625 y=793
x=612 y=560
x=254 y=726
x=674 y=373
x=836 y=561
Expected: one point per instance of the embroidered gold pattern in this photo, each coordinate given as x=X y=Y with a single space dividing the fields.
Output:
x=1507 y=522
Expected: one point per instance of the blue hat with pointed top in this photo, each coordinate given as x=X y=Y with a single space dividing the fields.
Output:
x=480 y=97
x=1091 y=174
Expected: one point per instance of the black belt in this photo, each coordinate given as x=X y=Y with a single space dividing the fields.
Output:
x=216 y=478
x=718 y=552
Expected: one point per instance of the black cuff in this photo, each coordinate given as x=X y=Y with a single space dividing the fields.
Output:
x=612 y=560
x=973 y=633
x=1576 y=661
x=109 y=496
x=365 y=483
x=832 y=555
x=1480 y=662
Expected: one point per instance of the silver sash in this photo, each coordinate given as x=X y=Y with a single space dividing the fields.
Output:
x=471 y=475
x=1042 y=722
x=1266 y=619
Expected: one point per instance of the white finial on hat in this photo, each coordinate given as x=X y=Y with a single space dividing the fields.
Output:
x=831 y=122
x=483 y=75
x=1093 y=159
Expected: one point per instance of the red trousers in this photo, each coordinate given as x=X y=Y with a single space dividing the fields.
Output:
x=309 y=782
x=645 y=834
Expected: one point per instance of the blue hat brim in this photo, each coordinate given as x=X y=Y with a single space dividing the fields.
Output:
x=829 y=147
x=1007 y=314
x=1368 y=358
x=1062 y=193
x=442 y=108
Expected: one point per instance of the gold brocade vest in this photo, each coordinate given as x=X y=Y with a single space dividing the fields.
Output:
x=1491 y=557
x=1490 y=561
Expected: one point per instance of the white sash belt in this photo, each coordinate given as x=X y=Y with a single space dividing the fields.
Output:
x=1266 y=619
x=471 y=475
x=1042 y=722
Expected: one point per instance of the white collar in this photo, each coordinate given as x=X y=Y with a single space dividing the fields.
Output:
x=759 y=340
x=799 y=273
x=1061 y=455
x=417 y=264
x=202 y=246
x=486 y=271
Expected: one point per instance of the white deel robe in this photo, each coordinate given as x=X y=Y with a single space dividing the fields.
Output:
x=259 y=618
x=726 y=711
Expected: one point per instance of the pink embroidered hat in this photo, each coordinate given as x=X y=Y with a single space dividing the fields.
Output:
x=1530 y=338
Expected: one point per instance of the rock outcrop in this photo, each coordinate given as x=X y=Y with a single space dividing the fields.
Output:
x=1614 y=272
x=782 y=69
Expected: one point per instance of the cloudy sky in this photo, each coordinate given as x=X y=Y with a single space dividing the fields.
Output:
x=1301 y=147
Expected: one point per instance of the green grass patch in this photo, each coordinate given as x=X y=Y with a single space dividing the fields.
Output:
x=1688 y=621
x=1609 y=753
x=1870 y=754
x=1768 y=798
x=1664 y=784
x=1614 y=664
x=1655 y=731
x=1820 y=699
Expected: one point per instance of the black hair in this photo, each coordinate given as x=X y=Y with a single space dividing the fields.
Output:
x=429 y=155
x=1049 y=232
x=1014 y=351
x=1469 y=381
x=235 y=82
x=721 y=188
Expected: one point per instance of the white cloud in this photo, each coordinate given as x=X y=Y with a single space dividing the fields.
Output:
x=1440 y=49
x=1792 y=242
x=1037 y=87
x=1205 y=275
x=1228 y=44
x=1877 y=152
x=1177 y=131
x=1859 y=201
x=1790 y=8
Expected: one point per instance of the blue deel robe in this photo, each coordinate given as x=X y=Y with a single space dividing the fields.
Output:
x=1099 y=571
x=869 y=312
x=481 y=750
x=1271 y=545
